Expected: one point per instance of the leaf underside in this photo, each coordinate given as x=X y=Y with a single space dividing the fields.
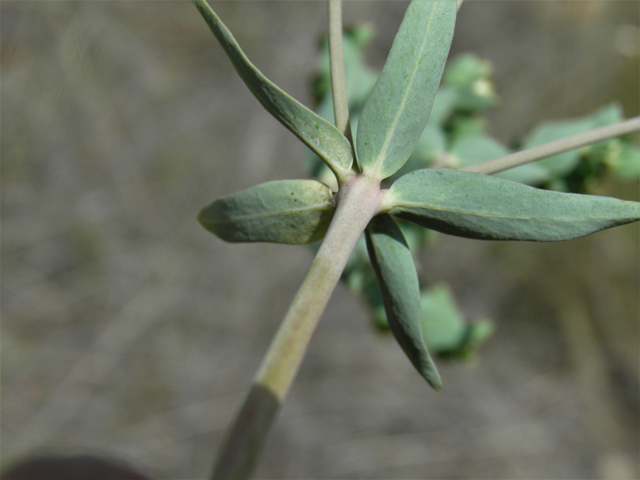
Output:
x=488 y=208
x=396 y=273
x=398 y=108
x=294 y=212
x=318 y=134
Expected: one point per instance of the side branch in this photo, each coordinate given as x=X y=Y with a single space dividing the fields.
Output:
x=553 y=148
x=338 y=78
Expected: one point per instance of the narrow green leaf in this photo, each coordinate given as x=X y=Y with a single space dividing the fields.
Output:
x=399 y=106
x=393 y=264
x=489 y=208
x=318 y=134
x=295 y=212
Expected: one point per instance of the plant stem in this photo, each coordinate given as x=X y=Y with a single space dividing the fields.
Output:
x=337 y=68
x=553 y=148
x=357 y=203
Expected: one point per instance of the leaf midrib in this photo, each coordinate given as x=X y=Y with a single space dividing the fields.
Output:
x=275 y=214
x=489 y=215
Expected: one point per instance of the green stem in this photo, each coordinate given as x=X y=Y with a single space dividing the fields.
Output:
x=337 y=68
x=358 y=202
x=553 y=148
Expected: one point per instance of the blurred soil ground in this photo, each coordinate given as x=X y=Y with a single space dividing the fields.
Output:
x=129 y=330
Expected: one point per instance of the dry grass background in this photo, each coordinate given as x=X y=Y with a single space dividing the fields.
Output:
x=128 y=330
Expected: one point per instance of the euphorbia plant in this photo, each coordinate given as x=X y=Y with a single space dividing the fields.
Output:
x=467 y=203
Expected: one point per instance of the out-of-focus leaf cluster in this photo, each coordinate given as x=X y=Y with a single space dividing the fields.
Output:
x=572 y=171
x=456 y=137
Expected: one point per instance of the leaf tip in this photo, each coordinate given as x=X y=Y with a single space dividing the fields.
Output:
x=431 y=375
x=203 y=219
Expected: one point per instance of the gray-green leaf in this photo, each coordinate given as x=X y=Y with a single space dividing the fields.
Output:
x=397 y=110
x=396 y=273
x=489 y=208
x=295 y=212
x=318 y=134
